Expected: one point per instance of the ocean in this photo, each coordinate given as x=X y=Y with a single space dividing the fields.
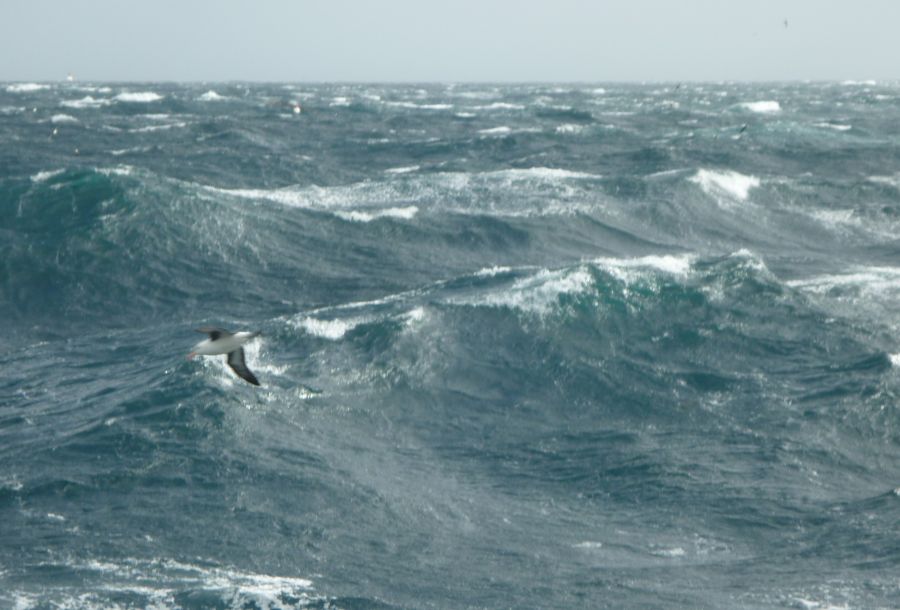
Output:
x=523 y=346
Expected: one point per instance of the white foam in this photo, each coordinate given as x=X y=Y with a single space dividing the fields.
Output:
x=542 y=189
x=212 y=96
x=728 y=182
x=63 y=118
x=569 y=128
x=159 y=580
x=667 y=263
x=340 y=101
x=835 y=126
x=46 y=175
x=420 y=106
x=859 y=83
x=327 y=329
x=151 y=128
x=494 y=131
x=874 y=281
x=544 y=173
x=673 y=552
x=26 y=87
x=538 y=293
x=139 y=97
x=895 y=362
x=491 y=271
x=119 y=170
x=405 y=213
x=588 y=544
x=85 y=102
x=402 y=170
x=763 y=107
x=500 y=106
x=893 y=181
x=465 y=115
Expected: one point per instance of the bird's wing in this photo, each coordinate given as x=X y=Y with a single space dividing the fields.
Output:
x=213 y=332
x=237 y=364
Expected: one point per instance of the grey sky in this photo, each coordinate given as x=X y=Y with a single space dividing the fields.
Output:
x=462 y=40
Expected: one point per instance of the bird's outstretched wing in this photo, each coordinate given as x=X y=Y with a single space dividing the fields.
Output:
x=213 y=332
x=237 y=364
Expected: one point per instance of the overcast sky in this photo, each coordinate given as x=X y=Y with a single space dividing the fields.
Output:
x=460 y=40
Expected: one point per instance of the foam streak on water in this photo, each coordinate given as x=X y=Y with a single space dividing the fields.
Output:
x=556 y=346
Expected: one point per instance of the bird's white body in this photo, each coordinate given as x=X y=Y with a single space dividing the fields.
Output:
x=223 y=345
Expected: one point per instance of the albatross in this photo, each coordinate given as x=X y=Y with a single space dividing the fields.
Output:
x=223 y=342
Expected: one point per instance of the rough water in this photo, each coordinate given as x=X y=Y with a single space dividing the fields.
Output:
x=537 y=346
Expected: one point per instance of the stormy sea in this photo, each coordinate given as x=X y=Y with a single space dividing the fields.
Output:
x=522 y=346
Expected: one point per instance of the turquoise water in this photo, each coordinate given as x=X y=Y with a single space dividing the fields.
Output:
x=523 y=346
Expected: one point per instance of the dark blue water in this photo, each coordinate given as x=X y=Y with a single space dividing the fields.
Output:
x=523 y=346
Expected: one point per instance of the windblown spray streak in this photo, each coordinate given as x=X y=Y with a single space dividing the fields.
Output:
x=523 y=346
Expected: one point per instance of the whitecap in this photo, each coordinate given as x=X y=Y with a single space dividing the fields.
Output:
x=402 y=170
x=893 y=181
x=895 y=362
x=150 y=128
x=835 y=126
x=85 y=102
x=763 y=107
x=494 y=131
x=119 y=170
x=538 y=293
x=492 y=271
x=326 y=329
x=63 y=118
x=139 y=97
x=211 y=96
x=500 y=106
x=543 y=173
x=667 y=263
x=728 y=182
x=873 y=280
x=406 y=213
x=569 y=128
x=26 y=87
x=413 y=105
x=46 y=175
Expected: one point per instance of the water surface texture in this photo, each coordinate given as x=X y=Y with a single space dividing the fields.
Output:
x=528 y=346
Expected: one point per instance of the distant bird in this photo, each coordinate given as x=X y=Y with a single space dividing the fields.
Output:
x=785 y=23
x=223 y=342
x=743 y=129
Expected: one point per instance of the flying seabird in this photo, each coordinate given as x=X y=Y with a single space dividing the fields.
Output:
x=223 y=342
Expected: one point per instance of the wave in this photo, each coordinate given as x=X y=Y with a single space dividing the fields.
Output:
x=139 y=97
x=406 y=213
x=499 y=106
x=86 y=102
x=211 y=96
x=63 y=118
x=159 y=582
x=834 y=126
x=45 y=175
x=730 y=183
x=763 y=107
x=26 y=87
x=405 y=194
